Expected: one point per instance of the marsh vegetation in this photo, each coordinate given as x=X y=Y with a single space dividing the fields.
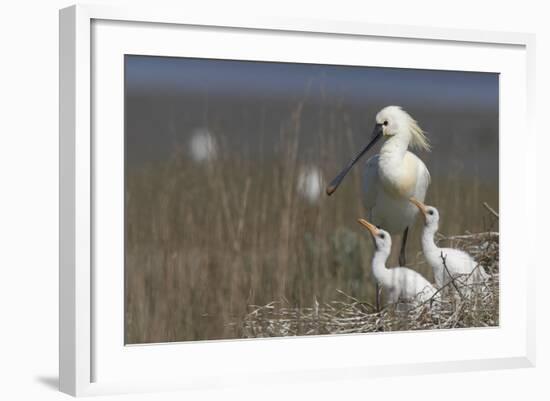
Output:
x=219 y=247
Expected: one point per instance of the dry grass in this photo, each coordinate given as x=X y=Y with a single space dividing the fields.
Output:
x=206 y=241
x=350 y=315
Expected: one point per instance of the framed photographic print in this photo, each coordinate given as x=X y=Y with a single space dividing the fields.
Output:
x=273 y=200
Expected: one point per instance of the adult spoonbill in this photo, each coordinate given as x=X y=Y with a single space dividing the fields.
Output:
x=399 y=283
x=394 y=175
x=461 y=266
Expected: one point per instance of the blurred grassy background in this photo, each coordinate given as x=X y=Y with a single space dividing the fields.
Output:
x=208 y=236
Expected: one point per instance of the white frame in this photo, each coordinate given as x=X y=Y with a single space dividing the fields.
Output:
x=76 y=169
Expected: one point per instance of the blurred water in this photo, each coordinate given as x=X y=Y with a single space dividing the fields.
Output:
x=244 y=104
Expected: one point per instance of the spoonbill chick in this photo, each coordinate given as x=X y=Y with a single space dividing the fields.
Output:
x=399 y=283
x=461 y=266
x=394 y=175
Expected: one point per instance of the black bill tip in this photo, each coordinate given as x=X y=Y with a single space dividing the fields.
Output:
x=330 y=189
x=376 y=135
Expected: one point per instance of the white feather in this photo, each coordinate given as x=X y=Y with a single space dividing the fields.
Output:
x=395 y=174
x=399 y=283
x=448 y=262
x=391 y=209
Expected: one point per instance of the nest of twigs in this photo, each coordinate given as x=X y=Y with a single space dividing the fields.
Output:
x=459 y=307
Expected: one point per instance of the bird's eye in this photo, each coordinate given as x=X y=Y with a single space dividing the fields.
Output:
x=385 y=123
x=430 y=212
x=382 y=235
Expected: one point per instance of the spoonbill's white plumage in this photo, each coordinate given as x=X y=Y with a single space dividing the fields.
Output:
x=394 y=175
x=443 y=261
x=399 y=283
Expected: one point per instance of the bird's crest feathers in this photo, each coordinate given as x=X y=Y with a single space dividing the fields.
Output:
x=418 y=138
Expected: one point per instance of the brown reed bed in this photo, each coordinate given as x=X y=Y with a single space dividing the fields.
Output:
x=204 y=241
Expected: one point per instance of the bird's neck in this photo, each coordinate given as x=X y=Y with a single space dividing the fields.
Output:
x=397 y=172
x=428 y=243
x=394 y=149
x=381 y=273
